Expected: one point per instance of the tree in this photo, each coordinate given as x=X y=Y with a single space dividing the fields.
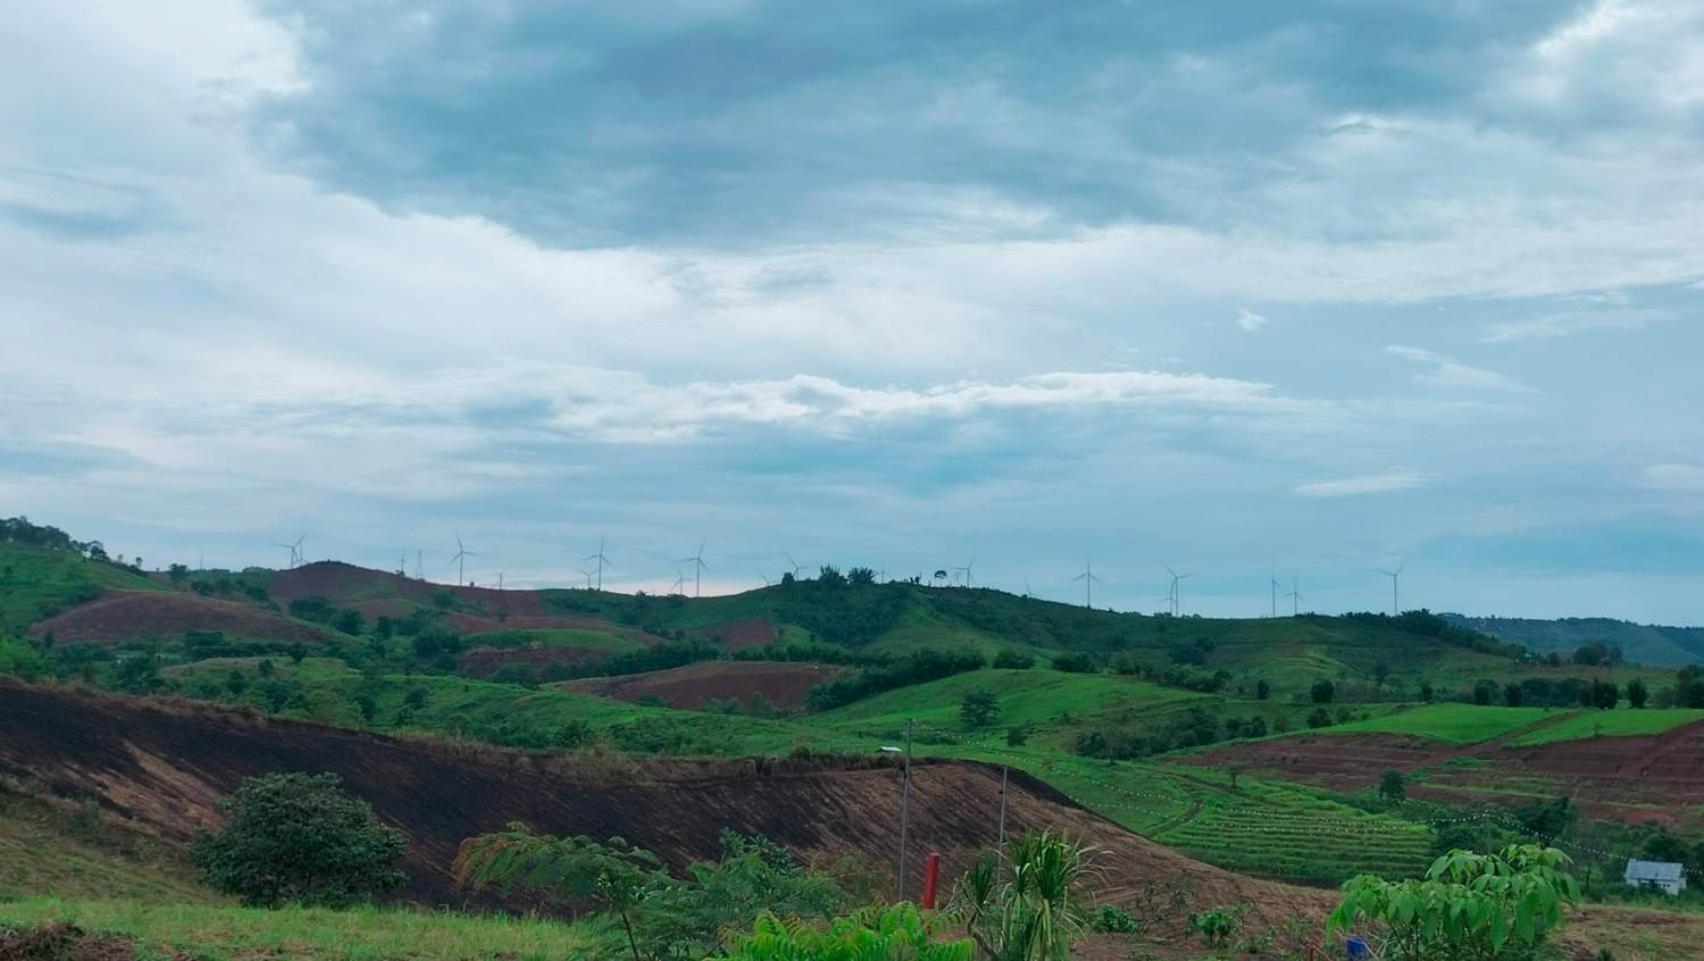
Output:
x=1381 y=673
x=979 y=708
x=1426 y=691
x=1034 y=915
x=1605 y=695
x=618 y=877
x=1262 y=690
x=1485 y=692
x=298 y=838
x=1323 y=691
x=22 y=661
x=1468 y=906
x=178 y=573
x=1512 y=694
x=1637 y=693
x=1392 y=787
x=860 y=576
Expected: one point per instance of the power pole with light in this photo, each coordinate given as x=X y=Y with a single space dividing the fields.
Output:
x=904 y=802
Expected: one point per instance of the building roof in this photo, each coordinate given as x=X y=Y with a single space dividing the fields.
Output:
x=1653 y=871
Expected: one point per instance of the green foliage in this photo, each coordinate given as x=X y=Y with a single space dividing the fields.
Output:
x=298 y=838
x=1468 y=907
x=1034 y=915
x=979 y=708
x=660 y=916
x=896 y=933
x=1112 y=919
x=18 y=659
x=1215 y=925
x=1013 y=660
x=1323 y=692
x=1392 y=787
x=917 y=668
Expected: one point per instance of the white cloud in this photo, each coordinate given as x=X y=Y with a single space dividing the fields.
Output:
x=1686 y=478
x=1567 y=323
x=1384 y=482
x=1250 y=321
x=1449 y=373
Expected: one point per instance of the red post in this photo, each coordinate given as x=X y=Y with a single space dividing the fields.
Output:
x=931 y=876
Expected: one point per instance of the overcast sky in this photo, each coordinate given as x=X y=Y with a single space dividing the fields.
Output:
x=1235 y=287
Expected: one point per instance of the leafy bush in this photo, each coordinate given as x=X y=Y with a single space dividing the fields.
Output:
x=979 y=708
x=1076 y=663
x=913 y=669
x=20 y=660
x=299 y=838
x=1216 y=925
x=1478 y=906
x=1112 y=919
x=1012 y=660
x=896 y=933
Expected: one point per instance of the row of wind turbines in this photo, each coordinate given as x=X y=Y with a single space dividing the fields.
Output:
x=961 y=575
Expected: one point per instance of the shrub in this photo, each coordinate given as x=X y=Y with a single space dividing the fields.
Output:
x=1323 y=692
x=1112 y=919
x=1392 y=787
x=1490 y=906
x=896 y=933
x=1215 y=925
x=1009 y=659
x=979 y=708
x=21 y=660
x=1075 y=663
x=299 y=838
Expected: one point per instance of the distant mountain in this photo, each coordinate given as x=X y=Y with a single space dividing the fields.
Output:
x=1650 y=644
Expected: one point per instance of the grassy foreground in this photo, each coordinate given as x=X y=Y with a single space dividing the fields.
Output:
x=215 y=933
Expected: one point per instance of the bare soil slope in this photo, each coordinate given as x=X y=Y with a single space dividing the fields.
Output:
x=164 y=764
x=132 y=615
x=1646 y=778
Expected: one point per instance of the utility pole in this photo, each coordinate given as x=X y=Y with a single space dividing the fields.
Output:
x=904 y=807
x=1000 y=849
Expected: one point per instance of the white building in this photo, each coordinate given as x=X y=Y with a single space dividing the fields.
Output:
x=1667 y=875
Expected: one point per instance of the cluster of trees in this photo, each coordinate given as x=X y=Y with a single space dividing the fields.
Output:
x=1195 y=727
x=915 y=668
x=1567 y=692
x=19 y=530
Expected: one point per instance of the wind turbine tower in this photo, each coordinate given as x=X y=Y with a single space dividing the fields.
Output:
x=1395 y=580
x=699 y=567
x=1295 y=597
x=1088 y=578
x=1176 y=600
x=797 y=567
x=460 y=560
x=601 y=559
x=969 y=572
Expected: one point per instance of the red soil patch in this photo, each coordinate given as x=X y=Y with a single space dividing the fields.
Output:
x=127 y=616
x=1636 y=779
x=486 y=661
x=735 y=635
x=164 y=764
x=785 y=684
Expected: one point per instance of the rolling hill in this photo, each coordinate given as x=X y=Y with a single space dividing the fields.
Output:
x=1650 y=644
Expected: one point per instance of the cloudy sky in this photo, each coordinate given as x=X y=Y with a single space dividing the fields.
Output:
x=1315 y=287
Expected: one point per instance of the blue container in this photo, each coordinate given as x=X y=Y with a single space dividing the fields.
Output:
x=1358 y=949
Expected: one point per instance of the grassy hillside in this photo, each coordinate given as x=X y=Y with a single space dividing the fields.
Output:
x=223 y=933
x=1641 y=643
x=38 y=582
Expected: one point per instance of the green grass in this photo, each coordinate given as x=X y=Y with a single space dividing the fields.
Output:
x=45 y=849
x=37 y=583
x=1618 y=723
x=555 y=637
x=217 y=933
x=1455 y=723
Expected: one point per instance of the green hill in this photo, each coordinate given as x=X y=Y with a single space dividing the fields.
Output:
x=1640 y=643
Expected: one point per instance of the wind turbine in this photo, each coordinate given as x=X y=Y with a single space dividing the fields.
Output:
x=289 y=547
x=1088 y=578
x=588 y=574
x=969 y=572
x=1275 y=586
x=601 y=559
x=460 y=560
x=1395 y=578
x=1295 y=597
x=499 y=581
x=1176 y=604
x=797 y=567
x=679 y=582
x=699 y=567
x=419 y=564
